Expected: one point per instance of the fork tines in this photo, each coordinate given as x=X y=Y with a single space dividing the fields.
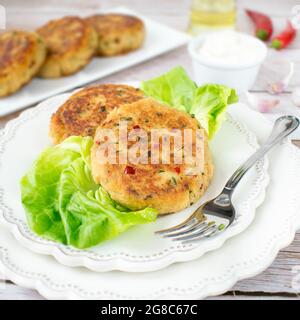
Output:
x=190 y=230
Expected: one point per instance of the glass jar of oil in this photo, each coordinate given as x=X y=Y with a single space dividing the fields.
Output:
x=212 y=15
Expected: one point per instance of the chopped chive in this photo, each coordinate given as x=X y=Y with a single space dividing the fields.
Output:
x=173 y=181
x=126 y=118
x=221 y=227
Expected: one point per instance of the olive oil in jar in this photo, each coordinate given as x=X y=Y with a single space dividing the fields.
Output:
x=212 y=15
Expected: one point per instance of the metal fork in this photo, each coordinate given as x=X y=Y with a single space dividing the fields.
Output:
x=202 y=223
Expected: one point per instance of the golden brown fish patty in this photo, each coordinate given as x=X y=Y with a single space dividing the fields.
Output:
x=21 y=56
x=86 y=109
x=166 y=187
x=71 y=43
x=117 y=33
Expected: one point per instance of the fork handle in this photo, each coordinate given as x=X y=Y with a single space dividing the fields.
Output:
x=283 y=126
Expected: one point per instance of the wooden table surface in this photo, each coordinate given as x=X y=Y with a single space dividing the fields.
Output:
x=276 y=281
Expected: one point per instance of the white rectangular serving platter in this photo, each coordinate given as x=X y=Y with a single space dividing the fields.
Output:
x=159 y=39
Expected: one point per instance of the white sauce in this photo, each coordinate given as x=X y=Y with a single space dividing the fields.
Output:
x=229 y=47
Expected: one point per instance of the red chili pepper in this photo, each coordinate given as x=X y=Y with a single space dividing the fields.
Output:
x=177 y=169
x=283 y=39
x=129 y=170
x=263 y=24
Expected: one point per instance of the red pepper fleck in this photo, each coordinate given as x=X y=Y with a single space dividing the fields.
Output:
x=285 y=37
x=177 y=169
x=97 y=142
x=136 y=127
x=263 y=24
x=129 y=170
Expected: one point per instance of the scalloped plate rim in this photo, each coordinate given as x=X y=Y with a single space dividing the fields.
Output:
x=45 y=289
x=129 y=264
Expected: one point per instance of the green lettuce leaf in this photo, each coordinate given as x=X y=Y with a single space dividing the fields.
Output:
x=210 y=104
x=174 y=88
x=207 y=103
x=63 y=203
x=94 y=218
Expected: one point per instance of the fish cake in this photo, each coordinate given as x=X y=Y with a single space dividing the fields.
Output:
x=166 y=187
x=86 y=109
x=117 y=33
x=21 y=56
x=71 y=44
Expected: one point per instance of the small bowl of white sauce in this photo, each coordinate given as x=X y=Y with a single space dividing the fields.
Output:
x=227 y=57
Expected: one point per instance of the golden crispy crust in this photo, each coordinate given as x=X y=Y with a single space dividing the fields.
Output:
x=117 y=33
x=86 y=109
x=21 y=56
x=71 y=43
x=165 y=187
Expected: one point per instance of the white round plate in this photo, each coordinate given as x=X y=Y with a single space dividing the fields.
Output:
x=214 y=273
x=138 y=249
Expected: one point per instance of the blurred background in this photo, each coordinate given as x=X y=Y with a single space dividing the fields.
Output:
x=175 y=13
x=187 y=16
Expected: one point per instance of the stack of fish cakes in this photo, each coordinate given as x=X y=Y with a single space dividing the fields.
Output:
x=64 y=46
x=166 y=187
